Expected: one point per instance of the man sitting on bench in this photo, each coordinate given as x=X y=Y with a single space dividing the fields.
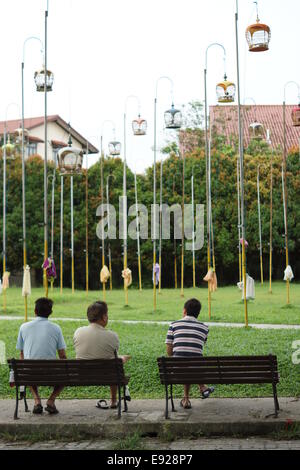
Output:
x=186 y=338
x=41 y=339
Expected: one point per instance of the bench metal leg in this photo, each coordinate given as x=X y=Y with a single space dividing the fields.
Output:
x=125 y=401
x=276 y=403
x=172 y=401
x=167 y=402
x=23 y=396
x=119 y=402
x=17 y=403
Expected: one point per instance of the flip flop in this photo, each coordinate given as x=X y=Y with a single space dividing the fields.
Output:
x=207 y=392
x=187 y=405
x=37 y=409
x=102 y=404
x=52 y=410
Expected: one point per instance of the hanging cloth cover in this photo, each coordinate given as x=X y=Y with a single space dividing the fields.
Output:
x=26 y=289
x=288 y=273
x=49 y=265
x=211 y=278
x=5 y=280
x=155 y=274
x=127 y=276
x=104 y=274
x=246 y=243
x=250 y=288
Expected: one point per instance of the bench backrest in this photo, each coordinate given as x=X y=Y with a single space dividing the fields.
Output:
x=218 y=370
x=68 y=372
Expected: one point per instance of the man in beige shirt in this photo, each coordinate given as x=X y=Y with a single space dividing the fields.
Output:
x=96 y=342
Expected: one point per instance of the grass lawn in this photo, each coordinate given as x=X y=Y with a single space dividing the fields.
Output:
x=146 y=342
x=226 y=304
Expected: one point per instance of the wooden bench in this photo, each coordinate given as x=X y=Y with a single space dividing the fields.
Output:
x=69 y=373
x=218 y=370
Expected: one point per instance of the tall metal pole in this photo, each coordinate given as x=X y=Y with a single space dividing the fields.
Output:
x=259 y=230
x=207 y=193
x=193 y=228
x=108 y=227
x=284 y=196
x=239 y=217
x=174 y=243
x=125 y=213
x=61 y=233
x=241 y=153
x=45 y=157
x=52 y=216
x=72 y=236
x=160 y=224
x=4 y=215
x=138 y=233
x=102 y=202
x=87 y=223
x=182 y=233
x=271 y=214
x=154 y=207
x=23 y=192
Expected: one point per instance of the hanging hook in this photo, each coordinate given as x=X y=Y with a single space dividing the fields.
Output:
x=257 y=18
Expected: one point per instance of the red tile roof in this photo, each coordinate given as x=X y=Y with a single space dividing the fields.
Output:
x=225 y=121
x=31 y=123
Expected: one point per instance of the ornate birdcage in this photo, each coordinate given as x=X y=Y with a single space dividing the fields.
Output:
x=296 y=116
x=139 y=126
x=114 y=148
x=258 y=36
x=18 y=136
x=256 y=130
x=39 y=78
x=70 y=160
x=225 y=91
x=9 y=149
x=173 y=118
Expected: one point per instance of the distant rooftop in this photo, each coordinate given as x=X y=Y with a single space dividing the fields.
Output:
x=225 y=121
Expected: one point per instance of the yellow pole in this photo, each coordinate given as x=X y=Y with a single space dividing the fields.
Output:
x=4 y=290
x=154 y=280
x=25 y=297
x=240 y=266
x=73 y=286
x=271 y=223
x=175 y=270
x=61 y=275
x=159 y=282
x=209 y=293
x=284 y=187
x=110 y=274
x=45 y=272
x=261 y=271
x=194 y=273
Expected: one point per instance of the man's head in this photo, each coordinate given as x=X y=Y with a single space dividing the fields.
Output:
x=192 y=308
x=43 y=307
x=98 y=313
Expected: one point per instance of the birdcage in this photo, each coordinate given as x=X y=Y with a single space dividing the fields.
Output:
x=258 y=36
x=296 y=116
x=225 y=91
x=256 y=130
x=173 y=118
x=39 y=78
x=139 y=126
x=9 y=149
x=114 y=148
x=18 y=136
x=70 y=160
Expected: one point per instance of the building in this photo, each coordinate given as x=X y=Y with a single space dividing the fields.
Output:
x=57 y=134
x=224 y=121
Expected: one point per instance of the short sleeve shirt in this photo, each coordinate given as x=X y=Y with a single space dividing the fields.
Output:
x=40 y=339
x=95 y=342
x=187 y=336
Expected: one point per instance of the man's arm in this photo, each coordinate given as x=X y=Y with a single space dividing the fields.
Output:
x=169 y=349
x=62 y=354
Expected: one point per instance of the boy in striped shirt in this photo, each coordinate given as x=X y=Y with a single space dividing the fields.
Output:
x=186 y=337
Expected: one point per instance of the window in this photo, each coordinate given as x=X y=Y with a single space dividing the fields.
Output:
x=31 y=149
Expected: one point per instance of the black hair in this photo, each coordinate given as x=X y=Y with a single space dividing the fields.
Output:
x=96 y=311
x=43 y=307
x=192 y=307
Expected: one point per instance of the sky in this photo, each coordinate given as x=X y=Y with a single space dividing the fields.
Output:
x=102 y=51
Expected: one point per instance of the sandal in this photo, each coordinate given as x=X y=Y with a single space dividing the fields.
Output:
x=207 y=392
x=37 y=409
x=52 y=410
x=187 y=405
x=102 y=404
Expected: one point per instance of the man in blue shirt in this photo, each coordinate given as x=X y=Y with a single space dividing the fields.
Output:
x=41 y=339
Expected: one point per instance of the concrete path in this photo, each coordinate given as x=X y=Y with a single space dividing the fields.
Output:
x=225 y=443
x=261 y=326
x=215 y=416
